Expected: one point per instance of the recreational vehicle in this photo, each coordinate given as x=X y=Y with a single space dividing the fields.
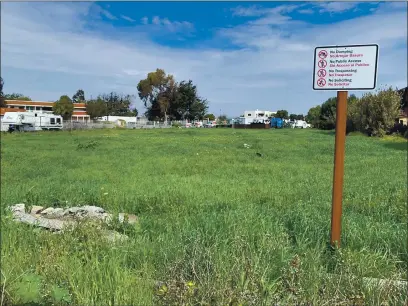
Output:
x=30 y=121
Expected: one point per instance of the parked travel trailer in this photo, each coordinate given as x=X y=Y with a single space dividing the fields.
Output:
x=301 y=124
x=30 y=121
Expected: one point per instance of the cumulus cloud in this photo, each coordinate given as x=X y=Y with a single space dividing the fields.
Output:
x=172 y=26
x=46 y=55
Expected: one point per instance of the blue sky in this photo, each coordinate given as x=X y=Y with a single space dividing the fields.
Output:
x=241 y=55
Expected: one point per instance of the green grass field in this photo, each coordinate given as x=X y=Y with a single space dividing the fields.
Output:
x=219 y=225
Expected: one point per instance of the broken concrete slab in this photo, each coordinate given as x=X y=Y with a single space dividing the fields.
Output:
x=36 y=209
x=128 y=218
x=17 y=208
x=51 y=224
x=57 y=219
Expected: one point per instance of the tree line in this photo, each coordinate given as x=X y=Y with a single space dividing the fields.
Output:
x=374 y=114
x=164 y=99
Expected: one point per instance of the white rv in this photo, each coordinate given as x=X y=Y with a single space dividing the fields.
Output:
x=301 y=124
x=30 y=121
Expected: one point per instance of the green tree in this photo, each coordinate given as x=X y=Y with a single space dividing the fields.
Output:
x=188 y=105
x=300 y=117
x=313 y=116
x=353 y=114
x=134 y=112
x=378 y=111
x=157 y=92
x=117 y=104
x=404 y=97
x=96 y=108
x=292 y=116
x=79 y=96
x=328 y=114
x=210 y=117
x=64 y=107
x=16 y=96
x=283 y=114
x=221 y=119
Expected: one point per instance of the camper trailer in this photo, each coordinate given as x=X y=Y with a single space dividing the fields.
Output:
x=30 y=121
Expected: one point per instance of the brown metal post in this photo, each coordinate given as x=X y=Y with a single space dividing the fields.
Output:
x=338 y=176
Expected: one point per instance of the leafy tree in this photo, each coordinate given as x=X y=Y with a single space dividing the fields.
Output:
x=2 y=103
x=188 y=105
x=64 y=107
x=157 y=92
x=96 y=108
x=16 y=96
x=79 y=96
x=164 y=98
x=292 y=116
x=378 y=111
x=328 y=114
x=404 y=97
x=313 y=116
x=221 y=119
x=210 y=117
x=134 y=112
x=353 y=114
x=283 y=114
x=117 y=104
x=300 y=117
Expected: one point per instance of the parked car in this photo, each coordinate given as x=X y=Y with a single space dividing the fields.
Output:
x=198 y=124
x=188 y=125
x=211 y=125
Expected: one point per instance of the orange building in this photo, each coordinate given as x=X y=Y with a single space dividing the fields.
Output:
x=79 y=113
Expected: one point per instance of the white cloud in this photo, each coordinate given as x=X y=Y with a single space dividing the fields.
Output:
x=306 y=11
x=47 y=52
x=336 y=7
x=172 y=26
x=127 y=18
x=145 y=20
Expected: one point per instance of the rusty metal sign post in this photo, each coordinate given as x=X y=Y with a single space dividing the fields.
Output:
x=343 y=68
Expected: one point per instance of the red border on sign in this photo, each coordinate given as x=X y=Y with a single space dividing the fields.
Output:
x=322 y=60
x=321 y=53
x=323 y=71
x=319 y=84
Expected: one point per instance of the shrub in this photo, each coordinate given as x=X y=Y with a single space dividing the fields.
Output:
x=377 y=112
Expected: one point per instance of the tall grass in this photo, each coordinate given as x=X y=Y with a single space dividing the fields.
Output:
x=219 y=225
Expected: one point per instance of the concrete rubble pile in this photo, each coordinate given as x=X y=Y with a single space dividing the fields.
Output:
x=58 y=219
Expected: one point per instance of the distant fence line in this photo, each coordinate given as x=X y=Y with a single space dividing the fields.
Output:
x=72 y=125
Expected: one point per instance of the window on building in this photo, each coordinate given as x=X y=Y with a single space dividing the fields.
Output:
x=58 y=120
x=52 y=120
x=21 y=107
x=249 y=115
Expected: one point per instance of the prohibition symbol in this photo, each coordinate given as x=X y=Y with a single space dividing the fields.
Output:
x=322 y=63
x=321 y=73
x=321 y=82
x=323 y=54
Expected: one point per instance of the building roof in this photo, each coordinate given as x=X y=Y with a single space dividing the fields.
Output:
x=39 y=103
x=79 y=108
x=3 y=110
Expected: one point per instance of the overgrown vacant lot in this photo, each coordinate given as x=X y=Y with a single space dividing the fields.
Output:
x=219 y=225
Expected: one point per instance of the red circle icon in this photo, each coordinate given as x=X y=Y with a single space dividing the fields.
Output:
x=321 y=82
x=321 y=73
x=323 y=54
x=322 y=63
